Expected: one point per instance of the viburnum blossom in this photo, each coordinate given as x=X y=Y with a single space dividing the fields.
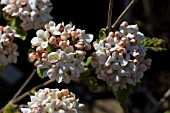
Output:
x=60 y=51
x=33 y=13
x=120 y=58
x=53 y=101
x=8 y=49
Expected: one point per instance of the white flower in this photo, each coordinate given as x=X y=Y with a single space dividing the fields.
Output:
x=53 y=101
x=33 y=14
x=53 y=57
x=63 y=59
x=53 y=28
x=99 y=46
x=41 y=39
x=120 y=58
x=3 y=60
x=86 y=37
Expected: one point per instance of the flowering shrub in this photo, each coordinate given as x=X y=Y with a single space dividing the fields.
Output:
x=34 y=14
x=60 y=51
x=53 y=101
x=120 y=58
x=8 y=49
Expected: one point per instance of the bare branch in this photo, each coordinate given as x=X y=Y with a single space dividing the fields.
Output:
x=131 y=4
x=20 y=89
x=19 y=98
x=161 y=101
x=109 y=19
x=34 y=88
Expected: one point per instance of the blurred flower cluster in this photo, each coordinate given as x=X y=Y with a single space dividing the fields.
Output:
x=8 y=49
x=60 y=51
x=120 y=58
x=34 y=14
x=53 y=101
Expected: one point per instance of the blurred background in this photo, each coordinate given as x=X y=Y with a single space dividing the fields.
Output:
x=153 y=19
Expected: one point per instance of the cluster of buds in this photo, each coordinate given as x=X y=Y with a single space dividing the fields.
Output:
x=120 y=58
x=53 y=101
x=8 y=49
x=33 y=13
x=60 y=51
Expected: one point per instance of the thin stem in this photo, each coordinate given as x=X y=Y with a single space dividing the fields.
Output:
x=20 y=89
x=34 y=88
x=109 y=19
x=23 y=86
x=19 y=98
x=161 y=101
x=119 y=19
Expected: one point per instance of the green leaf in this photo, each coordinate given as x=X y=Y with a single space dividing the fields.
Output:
x=154 y=44
x=2 y=67
x=22 y=33
x=85 y=74
x=6 y=16
x=30 y=50
x=90 y=81
x=40 y=72
x=50 y=48
x=122 y=94
x=102 y=34
x=15 y=23
x=10 y=109
x=88 y=60
x=31 y=92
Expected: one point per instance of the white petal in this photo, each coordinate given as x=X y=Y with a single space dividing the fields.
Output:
x=36 y=41
x=123 y=62
x=41 y=95
x=46 y=34
x=51 y=23
x=140 y=36
x=61 y=111
x=26 y=110
x=51 y=73
x=53 y=57
x=40 y=34
x=44 y=44
x=88 y=38
x=59 y=78
x=109 y=60
x=107 y=45
x=69 y=49
x=3 y=60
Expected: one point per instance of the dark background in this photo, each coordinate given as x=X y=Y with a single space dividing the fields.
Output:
x=153 y=19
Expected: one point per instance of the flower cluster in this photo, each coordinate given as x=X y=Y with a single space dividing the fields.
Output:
x=33 y=13
x=120 y=58
x=53 y=101
x=8 y=49
x=60 y=51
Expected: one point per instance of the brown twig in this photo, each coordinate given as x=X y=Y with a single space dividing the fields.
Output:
x=20 y=89
x=19 y=98
x=161 y=101
x=34 y=88
x=23 y=86
x=130 y=5
x=109 y=19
